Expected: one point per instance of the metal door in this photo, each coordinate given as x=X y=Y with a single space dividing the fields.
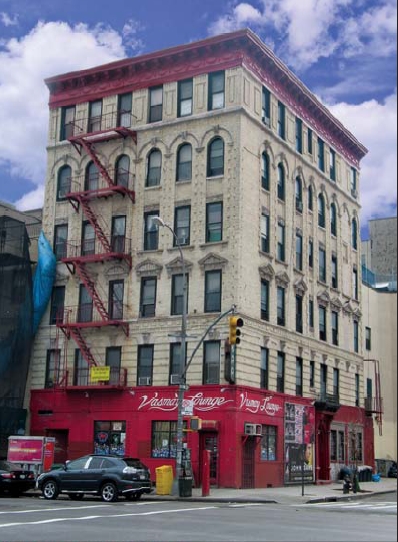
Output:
x=248 y=456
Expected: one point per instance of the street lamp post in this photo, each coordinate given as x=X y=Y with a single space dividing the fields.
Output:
x=182 y=372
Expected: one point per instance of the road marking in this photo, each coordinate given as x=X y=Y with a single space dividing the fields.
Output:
x=86 y=518
x=351 y=505
x=247 y=505
x=56 y=509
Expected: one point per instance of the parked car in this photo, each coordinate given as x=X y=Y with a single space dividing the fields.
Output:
x=15 y=480
x=392 y=471
x=106 y=476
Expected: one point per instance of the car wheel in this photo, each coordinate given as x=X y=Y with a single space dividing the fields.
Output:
x=50 y=490
x=109 y=492
x=76 y=496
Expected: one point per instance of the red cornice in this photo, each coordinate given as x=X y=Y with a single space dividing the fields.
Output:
x=241 y=48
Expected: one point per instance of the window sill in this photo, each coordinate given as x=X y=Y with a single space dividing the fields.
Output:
x=215 y=178
x=183 y=247
x=266 y=255
x=285 y=264
x=213 y=244
x=183 y=181
x=157 y=187
x=151 y=251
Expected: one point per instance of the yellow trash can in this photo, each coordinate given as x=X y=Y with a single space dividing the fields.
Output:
x=164 y=480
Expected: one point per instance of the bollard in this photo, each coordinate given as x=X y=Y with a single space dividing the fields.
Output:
x=206 y=474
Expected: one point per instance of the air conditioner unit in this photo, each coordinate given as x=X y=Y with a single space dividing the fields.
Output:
x=145 y=381
x=175 y=380
x=253 y=429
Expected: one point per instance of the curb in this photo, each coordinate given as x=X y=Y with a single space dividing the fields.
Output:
x=352 y=496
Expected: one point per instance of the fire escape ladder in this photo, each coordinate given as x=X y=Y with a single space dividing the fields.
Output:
x=89 y=284
x=94 y=222
x=84 y=348
x=89 y=148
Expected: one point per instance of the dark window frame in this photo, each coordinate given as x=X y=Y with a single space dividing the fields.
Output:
x=265 y=235
x=184 y=98
x=64 y=183
x=210 y=364
x=214 y=228
x=214 y=79
x=265 y=292
x=213 y=305
x=215 y=170
x=182 y=224
x=281 y=120
x=184 y=169
x=60 y=242
x=154 y=172
x=155 y=111
x=147 y=309
x=280 y=372
x=57 y=307
x=151 y=231
x=264 y=368
x=145 y=371
x=177 y=298
x=281 y=306
x=299 y=135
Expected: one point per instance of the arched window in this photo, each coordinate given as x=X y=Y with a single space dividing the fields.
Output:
x=215 y=157
x=281 y=182
x=321 y=211
x=333 y=219
x=92 y=177
x=154 y=168
x=354 y=234
x=122 y=171
x=64 y=182
x=265 y=171
x=184 y=163
x=310 y=198
x=299 y=194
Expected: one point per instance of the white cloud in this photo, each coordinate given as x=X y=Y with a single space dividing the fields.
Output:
x=241 y=16
x=374 y=124
x=49 y=49
x=7 y=20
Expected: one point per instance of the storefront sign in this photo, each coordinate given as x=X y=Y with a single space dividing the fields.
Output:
x=264 y=405
x=25 y=450
x=100 y=374
x=200 y=402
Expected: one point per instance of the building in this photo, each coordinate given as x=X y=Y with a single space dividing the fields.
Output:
x=379 y=295
x=260 y=184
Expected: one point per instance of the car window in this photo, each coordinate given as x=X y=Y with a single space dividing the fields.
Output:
x=77 y=464
x=6 y=465
x=107 y=464
x=136 y=463
x=95 y=463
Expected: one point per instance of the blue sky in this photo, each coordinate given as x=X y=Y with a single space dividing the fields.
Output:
x=343 y=50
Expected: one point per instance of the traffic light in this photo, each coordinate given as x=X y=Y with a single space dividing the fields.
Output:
x=234 y=332
x=193 y=425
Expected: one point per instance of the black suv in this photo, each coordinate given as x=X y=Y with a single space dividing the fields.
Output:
x=106 y=476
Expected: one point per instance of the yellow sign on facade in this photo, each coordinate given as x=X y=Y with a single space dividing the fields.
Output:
x=100 y=374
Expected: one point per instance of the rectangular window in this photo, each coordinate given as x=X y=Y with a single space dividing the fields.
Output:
x=322 y=264
x=355 y=286
x=311 y=254
x=281 y=120
x=369 y=388
x=68 y=122
x=116 y=298
x=185 y=98
x=356 y=336
x=57 y=305
x=336 y=383
x=299 y=314
x=264 y=369
x=357 y=402
x=182 y=225
x=177 y=294
x=332 y=165
x=368 y=344
x=335 y=275
x=280 y=372
x=299 y=376
x=52 y=368
x=211 y=362
x=81 y=370
x=324 y=380
x=311 y=314
x=265 y=300
x=155 y=104
x=299 y=136
x=333 y=445
x=356 y=448
x=145 y=365
x=114 y=360
x=354 y=186
x=312 y=374
x=88 y=239
x=322 y=324
x=281 y=321
x=95 y=116
x=213 y=286
x=125 y=110
x=61 y=241
x=341 y=447
x=265 y=225
x=299 y=251
x=268 y=443
x=281 y=242
x=214 y=222
x=335 y=328
x=164 y=440
x=85 y=310
x=216 y=91
x=309 y=141
x=151 y=231
x=148 y=297
x=266 y=107
x=177 y=364
x=321 y=154
x=118 y=234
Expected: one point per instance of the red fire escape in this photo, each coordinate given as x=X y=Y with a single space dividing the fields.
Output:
x=109 y=247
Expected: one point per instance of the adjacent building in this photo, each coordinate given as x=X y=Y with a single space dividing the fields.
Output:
x=260 y=184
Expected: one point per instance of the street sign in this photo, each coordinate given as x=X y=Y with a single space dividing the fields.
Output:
x=187 y=407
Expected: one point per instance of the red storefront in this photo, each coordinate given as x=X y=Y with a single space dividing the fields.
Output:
x=255 y=437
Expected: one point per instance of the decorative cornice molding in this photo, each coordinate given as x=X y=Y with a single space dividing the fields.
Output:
x=336 y=304
x=282 y=279
x=175 y=266
x=149 y=268
x=300 y=286
x=323 y=298
x=267 y=272
x=212 y=262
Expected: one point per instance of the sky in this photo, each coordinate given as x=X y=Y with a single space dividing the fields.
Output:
x=343 y=50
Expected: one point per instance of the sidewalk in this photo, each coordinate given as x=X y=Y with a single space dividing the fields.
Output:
x=286 y=495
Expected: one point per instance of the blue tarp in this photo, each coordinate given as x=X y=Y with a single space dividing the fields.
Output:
x=43 y=280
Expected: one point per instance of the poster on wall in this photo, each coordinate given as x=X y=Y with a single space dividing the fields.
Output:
x=109 y=438
x=299 y=444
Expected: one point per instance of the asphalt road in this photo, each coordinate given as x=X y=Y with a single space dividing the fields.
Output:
x=27 y=519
